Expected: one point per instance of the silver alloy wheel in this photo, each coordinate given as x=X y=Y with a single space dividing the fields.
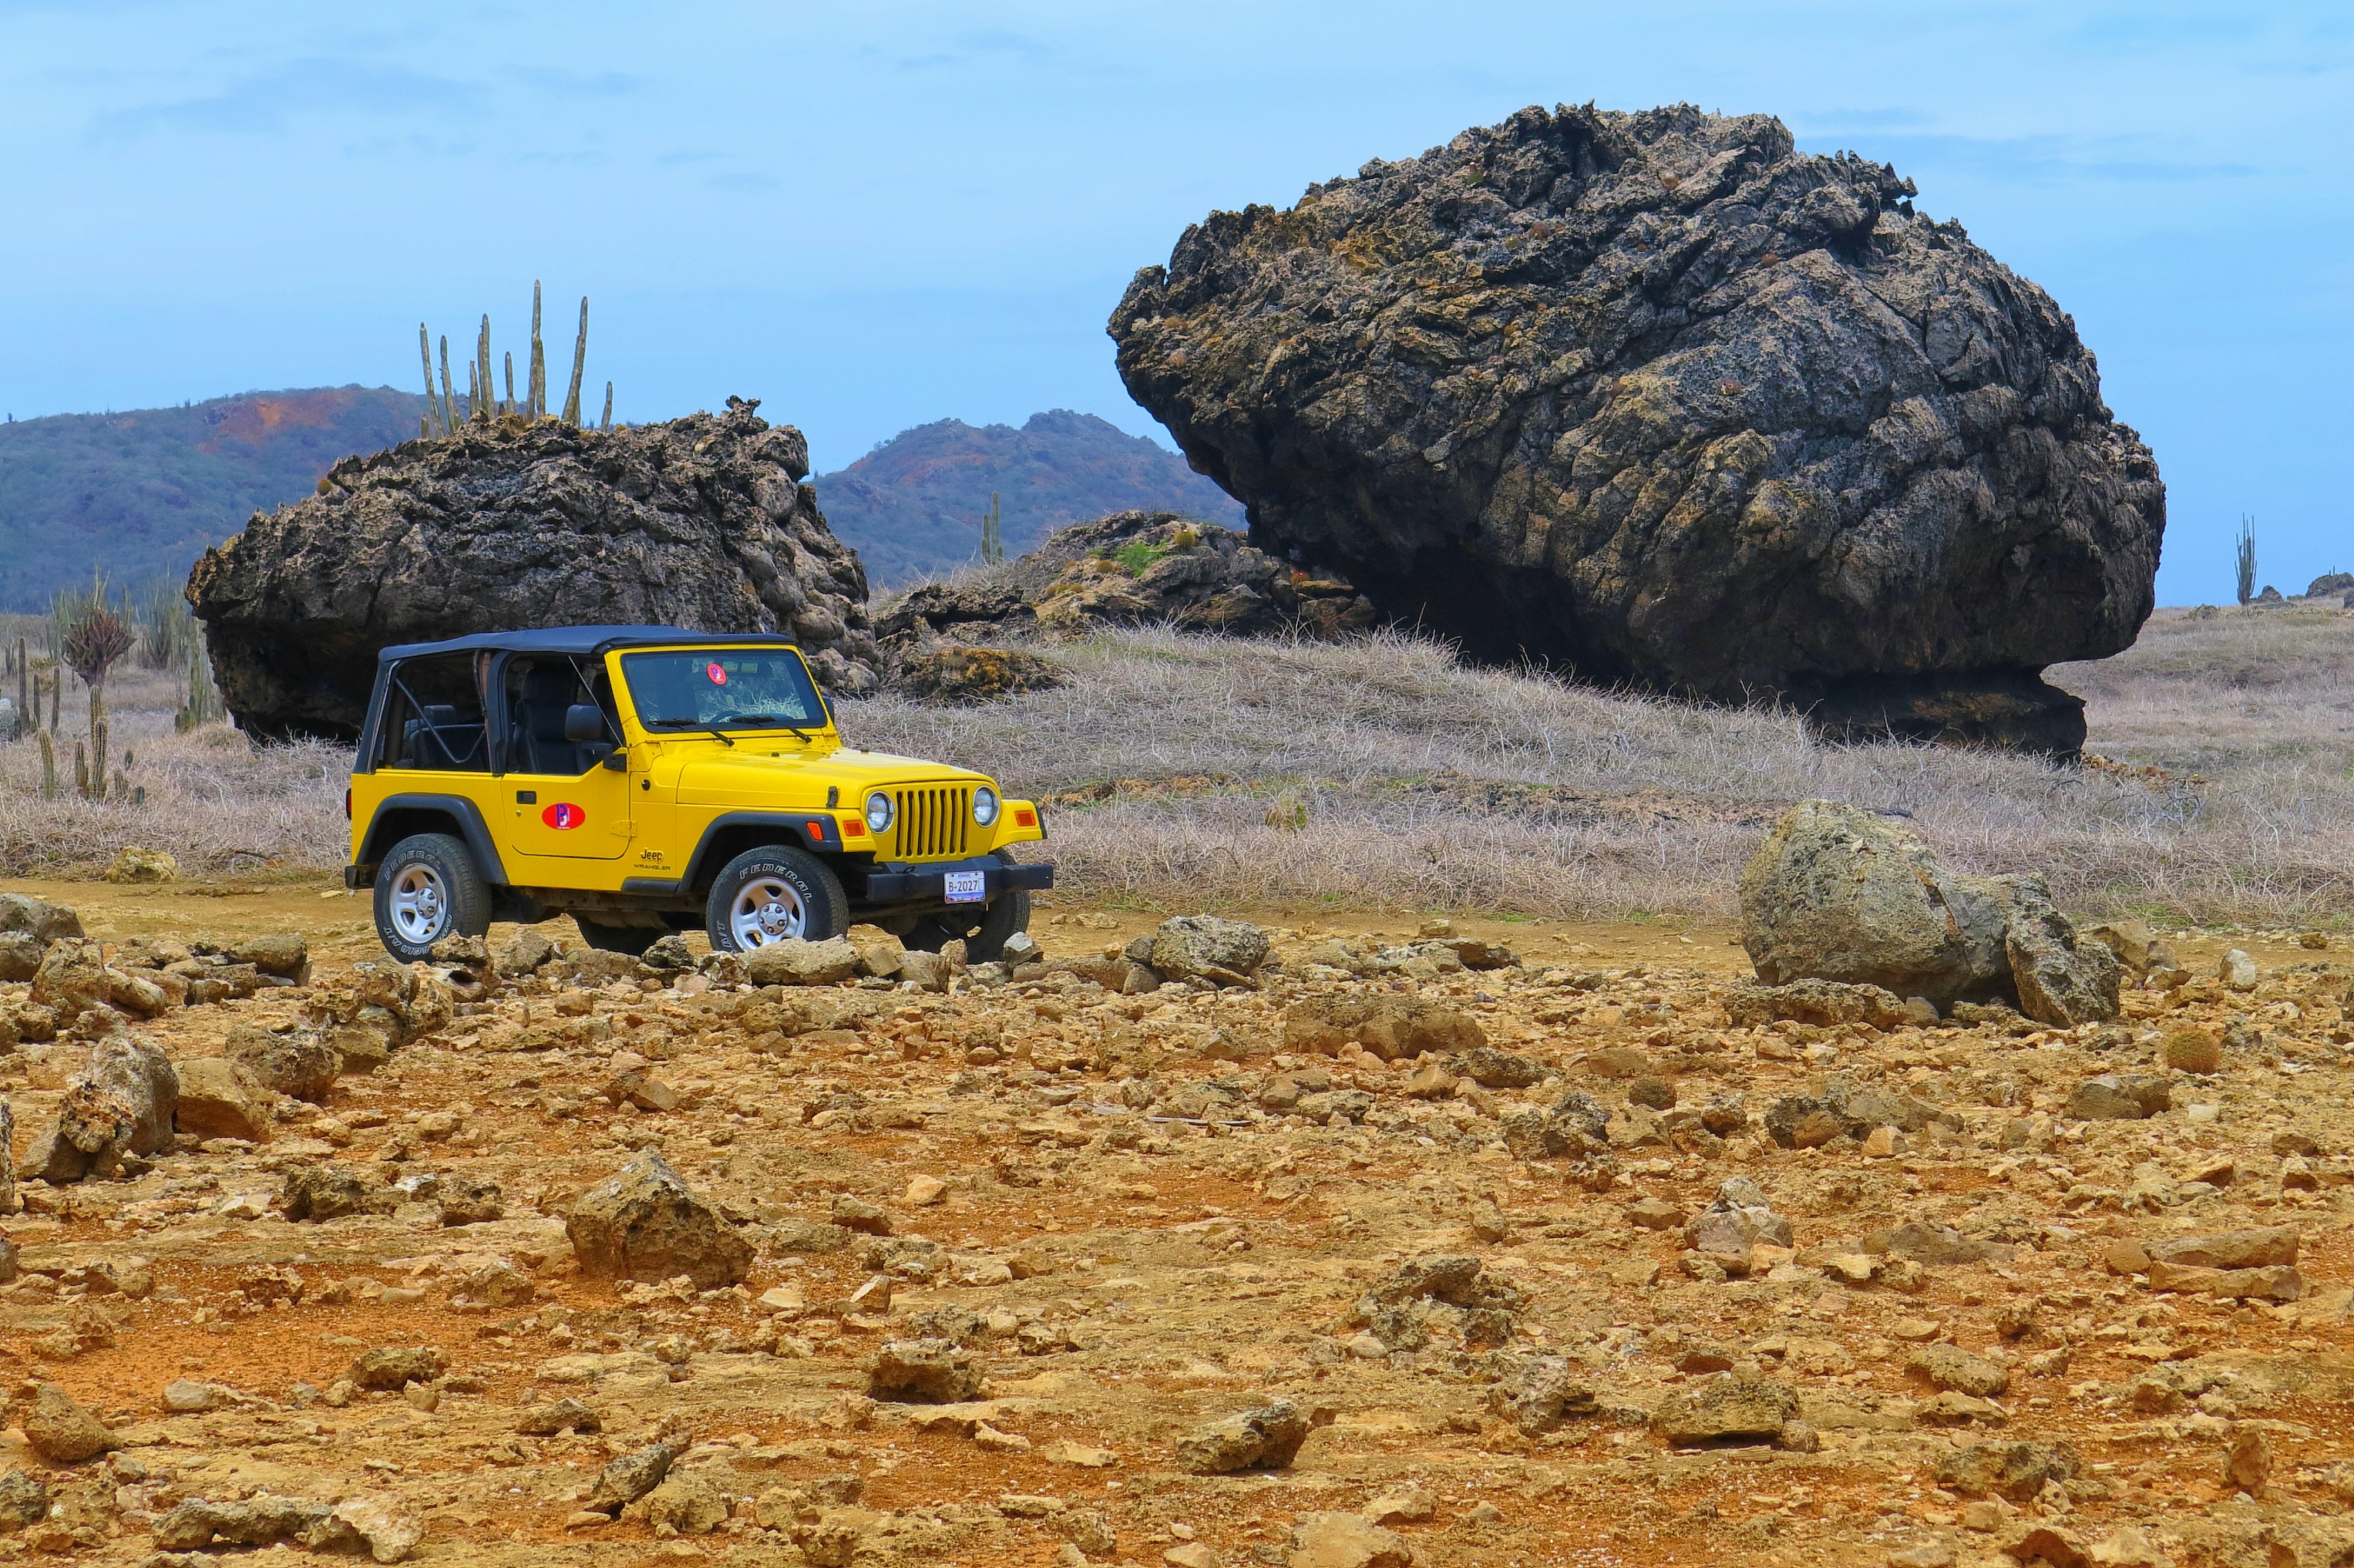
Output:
x=420 y=904
x=767 y=910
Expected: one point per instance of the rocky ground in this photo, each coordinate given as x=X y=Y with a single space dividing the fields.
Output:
x=1362 y=1257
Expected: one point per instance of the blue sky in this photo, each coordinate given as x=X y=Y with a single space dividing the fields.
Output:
x=875 y=215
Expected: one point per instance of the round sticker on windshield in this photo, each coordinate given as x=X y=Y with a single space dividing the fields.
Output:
x=718 y=672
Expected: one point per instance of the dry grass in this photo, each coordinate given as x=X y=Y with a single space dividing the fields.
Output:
x=1429 y=785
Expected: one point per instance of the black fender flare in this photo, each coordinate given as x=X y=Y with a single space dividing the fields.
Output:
x=471 y=828
x=811 y=830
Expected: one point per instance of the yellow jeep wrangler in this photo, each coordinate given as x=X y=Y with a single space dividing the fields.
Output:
x=645 y=779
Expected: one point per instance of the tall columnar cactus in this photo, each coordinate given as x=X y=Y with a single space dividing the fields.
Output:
x=510 y=402
x=2245 y=560
x=49 y=766
x=448 y=404
x=607 y=422
x=425 y=354
x=24 y=665
x=484 y=411
x=538 y=361
x=992 y=536
x=579 y=358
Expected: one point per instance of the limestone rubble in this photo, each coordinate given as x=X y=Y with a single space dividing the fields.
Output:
x=1346 y=1251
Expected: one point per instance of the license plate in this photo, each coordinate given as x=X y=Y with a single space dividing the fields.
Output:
x=968 y=886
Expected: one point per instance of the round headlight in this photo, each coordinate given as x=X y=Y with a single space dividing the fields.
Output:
x=984 y=805
x=878 y=811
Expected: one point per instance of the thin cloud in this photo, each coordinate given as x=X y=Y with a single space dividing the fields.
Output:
x=318 y=86
x=578 y=84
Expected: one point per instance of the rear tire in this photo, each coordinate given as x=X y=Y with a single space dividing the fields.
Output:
x=631 y=940
x=983 y=932
x=429 y=889
x=771 y=894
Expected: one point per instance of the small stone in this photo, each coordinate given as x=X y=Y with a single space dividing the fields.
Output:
x=1725 y=1411
x=219 y=1099
x=388 y=1531
x=990 y=1440
x=23 y=1500
x=1950 y=1366
x=2125 y=1256
x=1266 y=1438
x=2237 y=972
x=684 y=1505
x=1192 y=1554
x=1404 y=1505
x=1202 y=946
x=389 y=1367
x=924 y=1372
x=1484 y=1513
x=184 y=1396
x=795 y=962
x=133 y=865
x=923 y=1192
x=562 y=1415
x=2127 y=1546
x=1880 y=1143
x=1344 y=1540
x=852 y=1213
x=1654 y=1213
x=1928 y=1554
x=59 y=1429
x=631 y=1476
x=645 y=1223
x=2119 y=1097
x=1953 y=1408
x=2248 y=1463
x=2018 y=1472
x=1085 y=1456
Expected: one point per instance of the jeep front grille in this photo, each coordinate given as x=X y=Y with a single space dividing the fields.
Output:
x=933 y=822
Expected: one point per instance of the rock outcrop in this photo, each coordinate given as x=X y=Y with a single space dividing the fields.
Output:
x=1661 y=398
x=701 y=521
x=1838 y=894
x=1130 y=568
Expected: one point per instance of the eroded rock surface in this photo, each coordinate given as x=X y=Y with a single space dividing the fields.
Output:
x=1659 y=397
x=701 y=521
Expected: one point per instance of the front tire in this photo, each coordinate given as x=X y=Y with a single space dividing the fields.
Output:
x=772 y=894
x=429 y=889
x=984 y=932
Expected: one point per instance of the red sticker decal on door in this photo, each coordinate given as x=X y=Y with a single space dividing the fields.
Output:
x=564 y=816
x=718 y=673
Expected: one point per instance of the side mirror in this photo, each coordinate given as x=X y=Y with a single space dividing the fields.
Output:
x=584 y=722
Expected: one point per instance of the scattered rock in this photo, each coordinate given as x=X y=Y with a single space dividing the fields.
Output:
x=385 y=1527
x=1264 y=1438
x=219 y=1099
x=1389 y=1027
x=924 y=1372
x=558 y=1415
x=121 y=1102
x=684 y=1505
x=2018 y=1472
x=22 y=914
x=631 y=1476
x=1836 y=893
x=2237 y=972
x=330 y=1192
x=23 y=1500
x=1950 y=1366
x=2120 y=1096
x=645 y=1223
x=1202 y=946
x=1725 y=1412
x=796 y=962
x=59 y=1429
x=133 y=865
x=1541 y=1395
x=295 y=1061
x=1741 y=1217
x=388 y=1367
x=1344 y=1540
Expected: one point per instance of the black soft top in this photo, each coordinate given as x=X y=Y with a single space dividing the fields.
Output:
x=587 y=641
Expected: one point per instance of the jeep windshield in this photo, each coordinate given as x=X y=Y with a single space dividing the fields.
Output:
x=716 y=689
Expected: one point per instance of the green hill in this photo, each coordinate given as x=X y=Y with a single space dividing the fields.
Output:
x=912 y=507
x=142 y=493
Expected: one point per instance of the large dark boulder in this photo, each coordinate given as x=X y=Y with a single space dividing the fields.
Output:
x=701 y=521
x=1659 y=398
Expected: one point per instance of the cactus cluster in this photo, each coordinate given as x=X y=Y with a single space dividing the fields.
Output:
x=482 y=404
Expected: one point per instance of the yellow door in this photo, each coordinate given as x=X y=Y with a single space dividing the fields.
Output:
x=562 y=802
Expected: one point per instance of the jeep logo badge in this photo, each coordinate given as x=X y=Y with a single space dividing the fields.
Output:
x=564 y=816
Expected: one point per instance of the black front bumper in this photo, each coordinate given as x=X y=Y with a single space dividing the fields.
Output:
x=927 y=883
